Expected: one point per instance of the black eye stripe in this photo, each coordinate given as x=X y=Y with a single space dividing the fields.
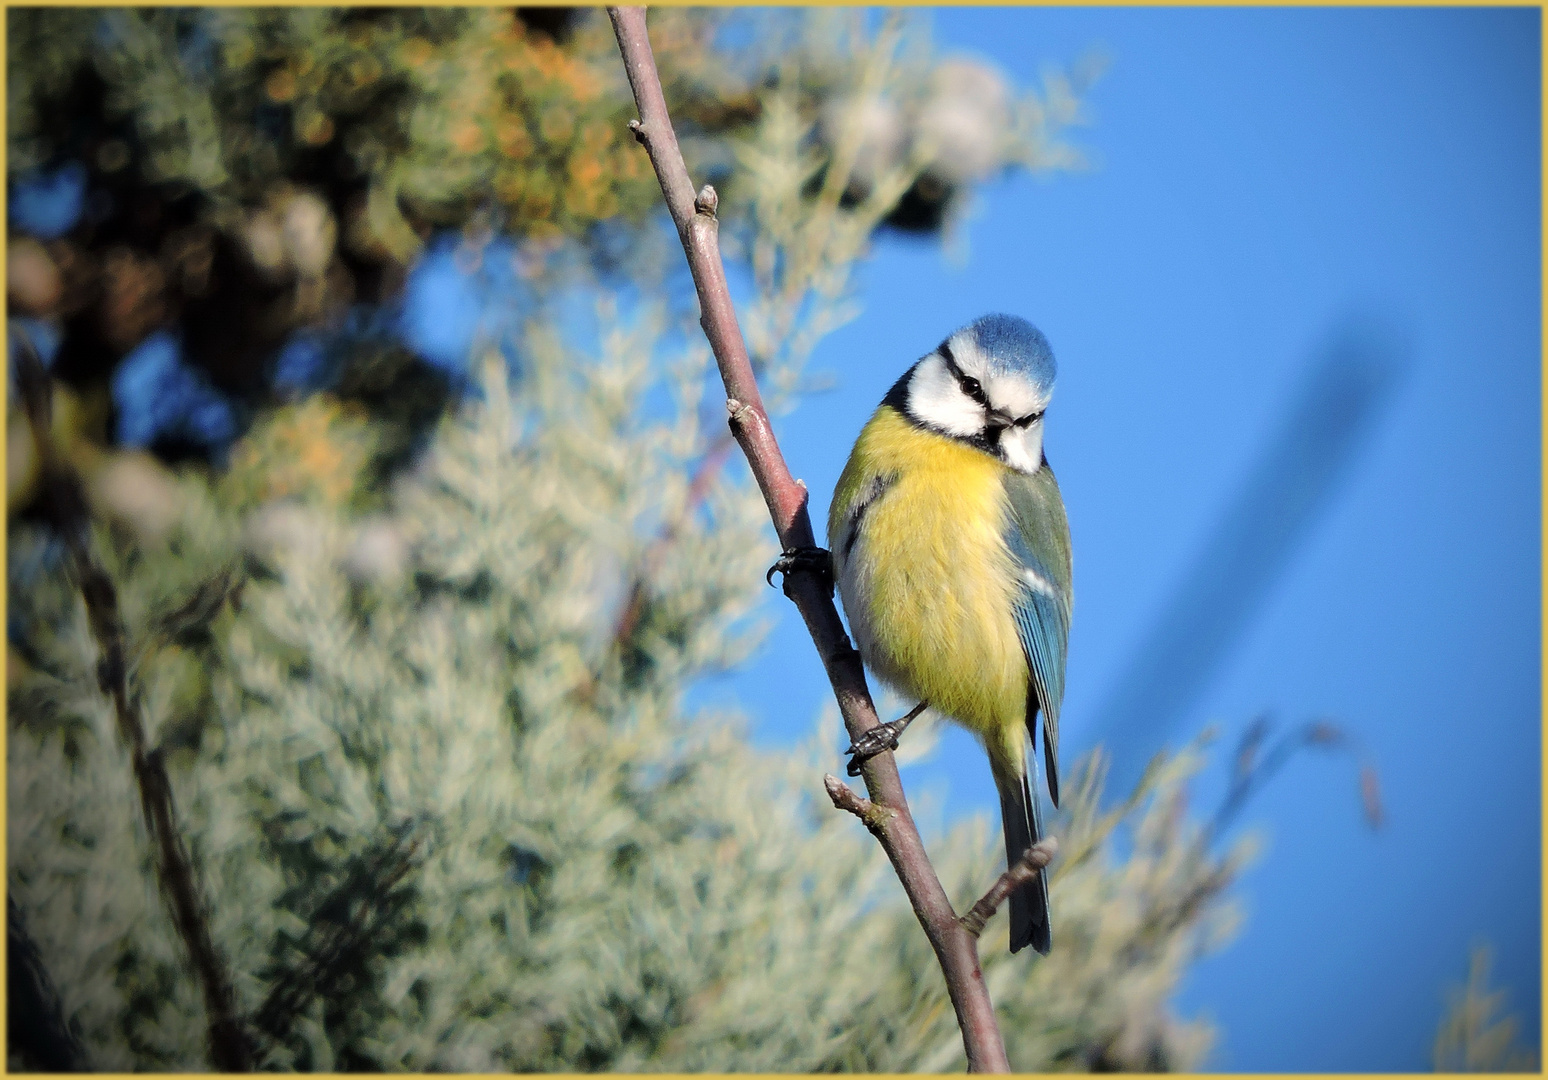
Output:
x=951 y=363
x=970 y=386
x=975 y=389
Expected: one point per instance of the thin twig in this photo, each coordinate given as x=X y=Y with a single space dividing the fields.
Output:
x=698 y=489
x=351 y=919
x=230 y=1050
x=1026 y=870
x=889 y=818
x=844 y=798
x=1255 y=767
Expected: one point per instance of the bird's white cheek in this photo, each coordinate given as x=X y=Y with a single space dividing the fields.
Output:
x=935 y=398
x=1022 y=448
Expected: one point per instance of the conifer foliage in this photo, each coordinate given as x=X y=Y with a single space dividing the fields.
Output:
x=418 y=677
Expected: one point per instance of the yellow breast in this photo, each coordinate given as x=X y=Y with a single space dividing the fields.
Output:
x=927 y=581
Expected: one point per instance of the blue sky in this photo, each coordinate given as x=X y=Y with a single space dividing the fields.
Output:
x=1260 y=177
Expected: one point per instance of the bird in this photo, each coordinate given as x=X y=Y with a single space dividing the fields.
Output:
x=950 y=549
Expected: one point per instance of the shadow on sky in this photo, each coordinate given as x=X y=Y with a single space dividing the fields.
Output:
x=1320 y=438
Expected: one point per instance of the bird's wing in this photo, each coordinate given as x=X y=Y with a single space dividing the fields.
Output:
x=1038 y=536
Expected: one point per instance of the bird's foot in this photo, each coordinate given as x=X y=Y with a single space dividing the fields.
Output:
x=811 y=560
x=880 y=738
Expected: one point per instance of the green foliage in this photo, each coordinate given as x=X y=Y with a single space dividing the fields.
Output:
x=254 y=172
x=437 y=106
x=442 y=828
x=422 y=702
x=438 y=112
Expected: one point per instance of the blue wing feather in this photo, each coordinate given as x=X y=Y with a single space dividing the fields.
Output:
x=1037 y=534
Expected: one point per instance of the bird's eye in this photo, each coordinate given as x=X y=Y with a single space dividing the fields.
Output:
x=1030 y=419
x=972 y=388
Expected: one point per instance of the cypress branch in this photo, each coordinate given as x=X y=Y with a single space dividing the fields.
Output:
x=229 y=1047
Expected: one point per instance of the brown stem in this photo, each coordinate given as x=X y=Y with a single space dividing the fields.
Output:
x=698 y=490
x=1026 y=869
x=229 y=1047
x=888 y=817
x=844 y=798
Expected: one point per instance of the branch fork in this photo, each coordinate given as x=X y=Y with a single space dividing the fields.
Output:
x=844 y=798
x=1026 y=870
x=885 y=813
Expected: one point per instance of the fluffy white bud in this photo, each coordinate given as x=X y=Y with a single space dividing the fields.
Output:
x=966 y=120
x=378 y=552
x=876 y=124
x=309 y=233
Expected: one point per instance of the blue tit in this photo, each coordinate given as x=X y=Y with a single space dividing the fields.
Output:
x=951 y=552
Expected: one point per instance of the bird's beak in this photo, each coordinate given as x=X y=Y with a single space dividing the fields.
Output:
x=998 y=419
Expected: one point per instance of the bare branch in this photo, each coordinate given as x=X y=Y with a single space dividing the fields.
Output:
x=1027 y=868
x=844 y=798
x=698 y=489
x=1254 y=767
x=230 y=1050
x=786 y=497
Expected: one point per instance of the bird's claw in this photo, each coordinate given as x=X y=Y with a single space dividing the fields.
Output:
x=880 y=738
x=812 y=560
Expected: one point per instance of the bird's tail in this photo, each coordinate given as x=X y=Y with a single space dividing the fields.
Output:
x=1023 y=823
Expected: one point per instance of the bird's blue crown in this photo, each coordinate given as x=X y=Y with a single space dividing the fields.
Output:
x=1009 y=344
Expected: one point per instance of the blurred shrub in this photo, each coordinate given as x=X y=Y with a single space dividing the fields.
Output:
x=444 y=825
x=414 y=649
x=1475 y=1036
x=316 y=451
x=236 y=175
